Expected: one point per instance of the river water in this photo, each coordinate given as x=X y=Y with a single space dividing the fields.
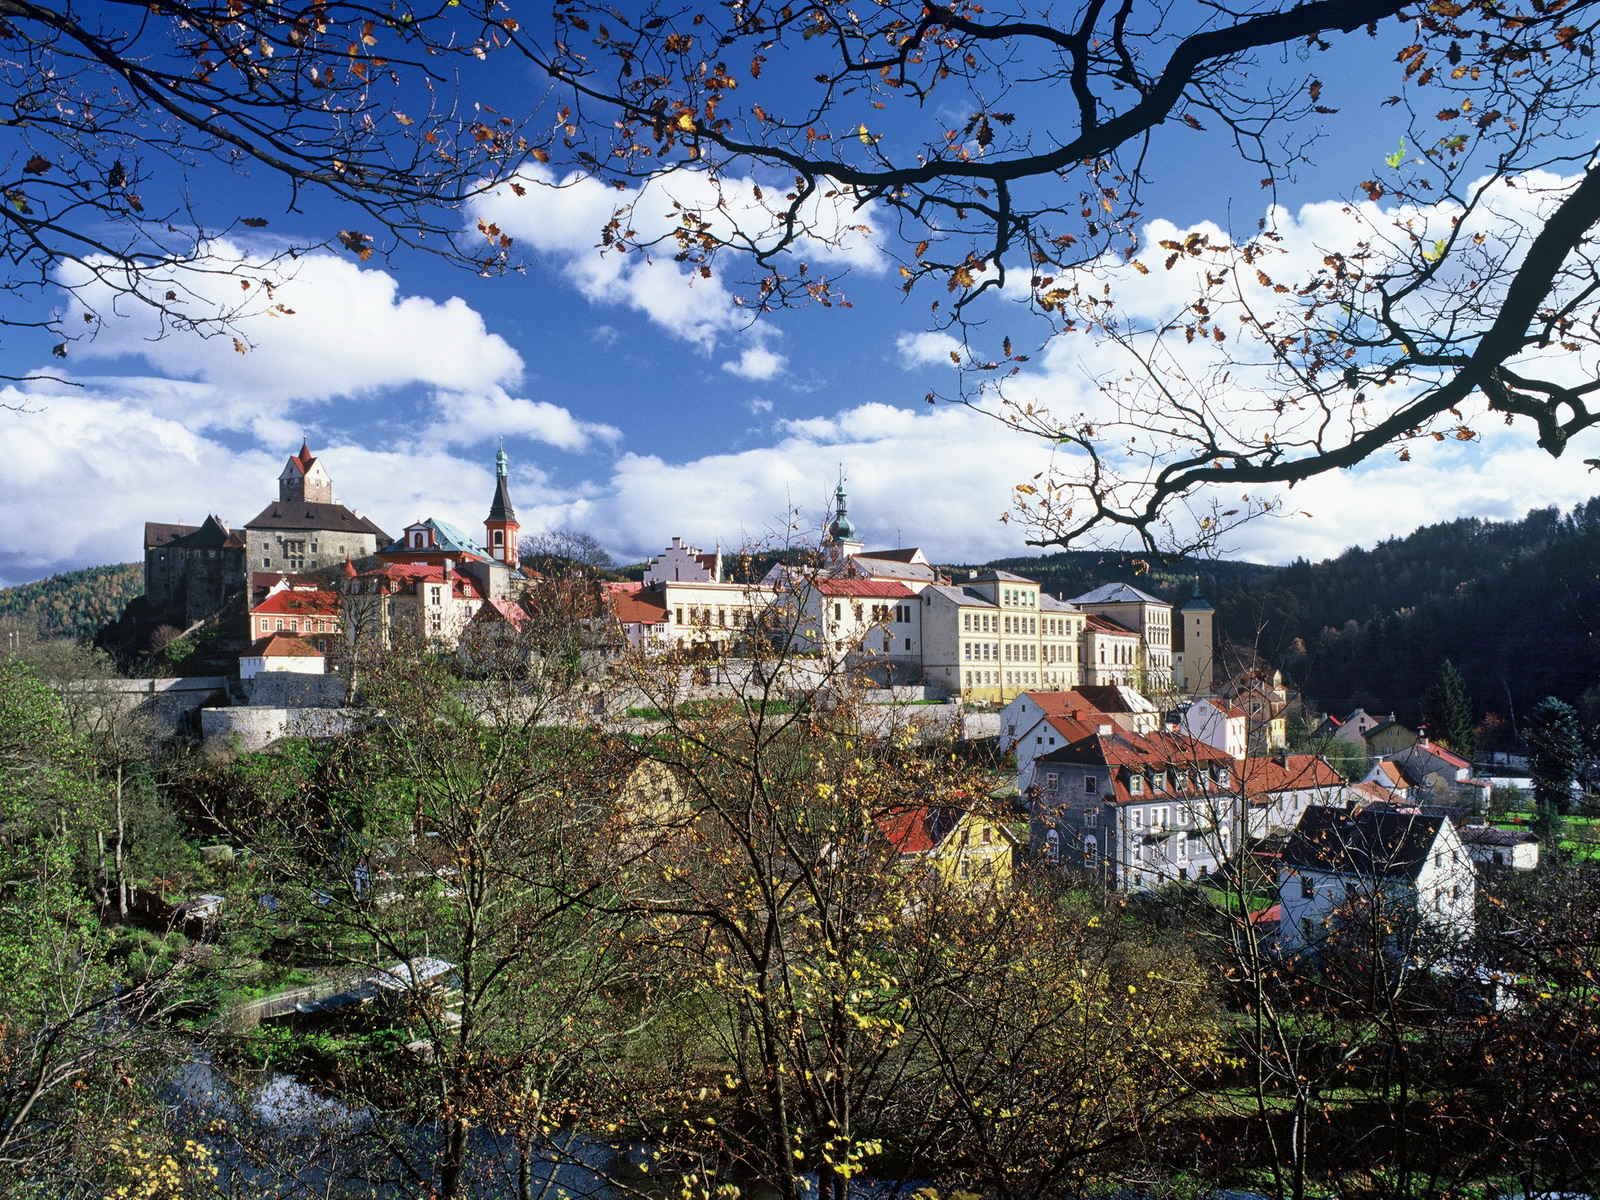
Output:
x=271 y=1136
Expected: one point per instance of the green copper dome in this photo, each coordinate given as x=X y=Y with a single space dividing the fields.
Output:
x=841 y=529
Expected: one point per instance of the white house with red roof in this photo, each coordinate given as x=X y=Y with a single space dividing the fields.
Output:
x=1218 y=723
x=305 y=610
x=1439 y=776
x=1279 y=788
x=429 y=604
x=282 y=652
x=1036 y=723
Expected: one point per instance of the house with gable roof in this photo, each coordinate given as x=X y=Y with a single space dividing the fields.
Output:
x=1405 y=873
x=1030 y=725
x=1218 y=723
x=1279 y=788
x=1440 y=776
x=951 y=845
x=1135 y=810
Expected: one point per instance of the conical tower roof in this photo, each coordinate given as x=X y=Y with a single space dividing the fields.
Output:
x=501 y=509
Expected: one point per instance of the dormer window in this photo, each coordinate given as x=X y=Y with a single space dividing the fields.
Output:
x=1136 y=784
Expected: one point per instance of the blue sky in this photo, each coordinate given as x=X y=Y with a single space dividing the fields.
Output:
x=638 y=403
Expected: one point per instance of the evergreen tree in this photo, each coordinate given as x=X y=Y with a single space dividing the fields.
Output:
x=1555 y=751
x=1448 y=712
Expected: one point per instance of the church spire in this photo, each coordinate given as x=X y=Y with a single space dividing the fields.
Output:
x=842 y=529
x=501 y=524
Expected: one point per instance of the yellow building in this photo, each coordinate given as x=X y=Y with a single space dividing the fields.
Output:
x=954 y=847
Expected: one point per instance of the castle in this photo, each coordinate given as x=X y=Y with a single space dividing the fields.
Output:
x=986 y=638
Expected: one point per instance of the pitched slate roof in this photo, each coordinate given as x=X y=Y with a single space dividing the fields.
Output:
x=1004 y=577
x=965 y=597
x=212 y=534
x=159 y=533
x=914 y=554
x=313 y=515
x=893 y=568
x=1371 y=842
x=1117 y=593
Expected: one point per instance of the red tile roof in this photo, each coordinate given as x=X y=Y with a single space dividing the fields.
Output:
x=464 y=585
x=1264 y=777
x=633 y=609
x=508 y=611
x=299 y=602
x=283 y=645
x=909 y=830
x=884 y=589
x=1438 y=751
x=1170 y=754
x=1095 y=623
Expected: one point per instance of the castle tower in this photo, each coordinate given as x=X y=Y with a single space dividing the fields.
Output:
x=840 y=544
x=1199 y=644
x=500 y=527
x=305 y=479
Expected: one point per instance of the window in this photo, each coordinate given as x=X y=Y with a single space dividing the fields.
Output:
x=1136 y=818
x=1052 y=846
x=1091 y=783
x=1136 y=784
x=1051 y=779
x=499 y=537
x=1308 y=887
x=1091 y=847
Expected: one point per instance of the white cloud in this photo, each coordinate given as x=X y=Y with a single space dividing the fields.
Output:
x=472 y=418
x=758 y=407
x=327 y=329
x=88 y=468
x=563 y=218
x=756 y=363
x=927 y=348
x=940 y=477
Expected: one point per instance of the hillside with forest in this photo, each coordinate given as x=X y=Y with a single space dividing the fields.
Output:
x=1515 y=605
x=74 y=604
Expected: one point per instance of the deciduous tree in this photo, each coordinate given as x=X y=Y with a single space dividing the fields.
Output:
x=1463 y=279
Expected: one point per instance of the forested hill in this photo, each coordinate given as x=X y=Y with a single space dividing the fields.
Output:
x=1514 y=604
x=75 y=604
x=1070 y=573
